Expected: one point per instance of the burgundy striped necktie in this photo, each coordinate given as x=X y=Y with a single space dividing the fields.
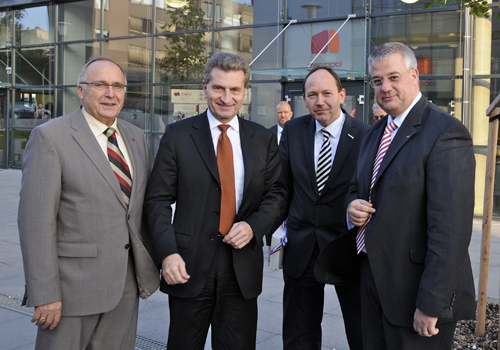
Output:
x=382 y=149
x=119 y=165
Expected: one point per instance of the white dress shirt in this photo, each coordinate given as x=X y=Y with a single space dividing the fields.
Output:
x=98 y=129
x=280 y=130
x=233 y=132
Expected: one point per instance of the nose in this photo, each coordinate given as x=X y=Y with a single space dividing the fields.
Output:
x=110 y=92
x=225 y=96
x=386 y=85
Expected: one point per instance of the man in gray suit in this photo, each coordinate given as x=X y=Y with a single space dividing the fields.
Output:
x=413 y=199
x=86 y=256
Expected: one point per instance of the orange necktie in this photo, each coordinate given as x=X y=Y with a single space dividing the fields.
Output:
x=226 y=175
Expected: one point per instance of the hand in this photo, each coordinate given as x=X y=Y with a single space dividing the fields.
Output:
x=424 y=324
x=239 y=235
x=174 y=269
x=359 y=211
x=47 y=315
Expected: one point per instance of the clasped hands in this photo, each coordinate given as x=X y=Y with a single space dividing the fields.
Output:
x=174 y=267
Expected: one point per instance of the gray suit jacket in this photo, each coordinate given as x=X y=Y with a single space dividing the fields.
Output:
x=74 y=226
x=417 y=240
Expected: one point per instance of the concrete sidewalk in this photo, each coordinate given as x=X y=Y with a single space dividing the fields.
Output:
x=16 y=331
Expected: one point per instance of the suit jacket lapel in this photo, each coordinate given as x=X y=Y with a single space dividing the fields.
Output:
x=202 y=137
x=248 y=149
x=406 y=132
x=309 y=135
x=347 y=136
x=87 y=141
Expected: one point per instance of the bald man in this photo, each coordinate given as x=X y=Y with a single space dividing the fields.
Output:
x=283 y=114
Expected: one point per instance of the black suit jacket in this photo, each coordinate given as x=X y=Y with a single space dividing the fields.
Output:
x=186 y=173
x=313 y=218
x=417 y=241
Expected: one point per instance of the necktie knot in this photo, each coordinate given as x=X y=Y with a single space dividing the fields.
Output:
x=326 y=135
x=109 y=132
x=391 y=127
x=223 y=127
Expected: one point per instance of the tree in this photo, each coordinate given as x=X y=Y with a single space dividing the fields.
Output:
x=478 y=8
x=185 y=53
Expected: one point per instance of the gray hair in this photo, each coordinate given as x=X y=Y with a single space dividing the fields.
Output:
x=227 y=62
x=375 y=107
x=83 y=72
x=383 y=51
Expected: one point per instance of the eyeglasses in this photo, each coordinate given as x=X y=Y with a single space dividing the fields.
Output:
x=100 y=85
x=393 y=79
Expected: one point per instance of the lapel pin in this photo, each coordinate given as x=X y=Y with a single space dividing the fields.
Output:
x=352 y=137
x=407 y=136
x=134 y=139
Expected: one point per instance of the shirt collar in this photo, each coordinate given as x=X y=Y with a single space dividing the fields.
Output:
x=334 y=128
x=97 y=126
x=214 y=122
x=401 y=118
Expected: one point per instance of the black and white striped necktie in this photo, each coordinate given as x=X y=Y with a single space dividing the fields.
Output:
x=324 y=161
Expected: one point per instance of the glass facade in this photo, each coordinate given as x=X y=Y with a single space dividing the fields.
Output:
x=163 y=45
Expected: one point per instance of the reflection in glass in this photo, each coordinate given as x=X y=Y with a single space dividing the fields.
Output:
x=182 y=57
x=185 y=15
x=77 y=21
x=133 y=55
x=229 y=13
x=33 y=107
x=72 y=58
x=5 y=28
x=136 y=106
x=32 y=25
x=5 y=68
x=239 y=41
x=19 y=141
x=34 y=66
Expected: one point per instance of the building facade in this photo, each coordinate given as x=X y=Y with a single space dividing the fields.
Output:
x=163 y=46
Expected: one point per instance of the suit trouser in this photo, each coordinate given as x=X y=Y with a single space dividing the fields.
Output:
x=220 y=305
x=380 y=334
x=112 y=330
x=303 y=300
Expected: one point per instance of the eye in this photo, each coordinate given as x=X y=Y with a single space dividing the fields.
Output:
x=100 y=84
x=394 y=78
x=117 y=87
x=377 y=82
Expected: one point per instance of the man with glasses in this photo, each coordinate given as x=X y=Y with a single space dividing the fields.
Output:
x=412 y=198
x=86 y=255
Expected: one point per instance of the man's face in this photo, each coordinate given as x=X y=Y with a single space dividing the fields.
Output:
x=225 y=93
x=322 y=97
x=104 y=105
x=379 y=114
x=283 y=113
x=399 y=86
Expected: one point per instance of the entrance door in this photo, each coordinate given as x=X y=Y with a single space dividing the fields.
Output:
x=353 y=103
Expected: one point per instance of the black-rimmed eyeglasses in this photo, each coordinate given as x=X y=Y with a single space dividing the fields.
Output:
x=100 y=85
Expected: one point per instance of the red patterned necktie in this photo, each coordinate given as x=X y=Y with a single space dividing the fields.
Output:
x=226 y=175
x=119 y=165
x=382 y=149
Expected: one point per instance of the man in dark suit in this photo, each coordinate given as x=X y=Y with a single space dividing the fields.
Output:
x=283 y=114
x=313 y=207
x=211 y=255
x=415 y=213
x=85 y=251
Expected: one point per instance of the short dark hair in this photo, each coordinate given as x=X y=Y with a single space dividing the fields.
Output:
x=329 y=70
x=227 y=62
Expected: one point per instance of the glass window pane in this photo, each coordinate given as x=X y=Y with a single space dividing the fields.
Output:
x=5 y=68
x=239 y=41
x=136 y=108
x=397 y=5
x=434 y=37
x=182 y=57
x=183 y=15
x=32 y=107
x=5 y=28
x=229 y=13
x=133 y=55
x=71 y=59
x=123 y=18
x=32 y=25
x=260 y=103
x=34 y=66
x=19 y=141
x=77 y=21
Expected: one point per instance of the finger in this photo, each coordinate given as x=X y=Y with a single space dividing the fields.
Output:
x=47 y=322
x=41 y=321
x=54 y=324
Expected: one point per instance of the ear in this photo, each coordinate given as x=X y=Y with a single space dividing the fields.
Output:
x=79 y=89
x=342 y=96
x=205 y=87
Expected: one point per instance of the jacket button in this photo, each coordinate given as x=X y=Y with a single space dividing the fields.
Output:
x=212 y=237
x=128 y=217
x=127 y=246
x=216 y=213
x=217 y=189
x=318 y=204
x=318 y=228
